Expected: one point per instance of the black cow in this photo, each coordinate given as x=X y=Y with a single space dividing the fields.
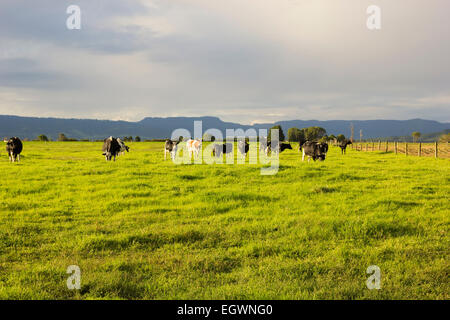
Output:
x=315 y=150
x=243 y=148
x=343 y=145
x=219 y=149
x=171 y=147
x=14 y=148
x=278 y=148
x=111 y=148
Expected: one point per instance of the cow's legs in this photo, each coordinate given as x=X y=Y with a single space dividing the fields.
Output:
x=303 y=155
x=18 y=158
x=165 y=154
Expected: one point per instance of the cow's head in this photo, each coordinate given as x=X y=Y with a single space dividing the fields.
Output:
x=321 y=151
x=108 y=155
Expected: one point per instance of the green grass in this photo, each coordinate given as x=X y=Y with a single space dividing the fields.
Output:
x=142 y=228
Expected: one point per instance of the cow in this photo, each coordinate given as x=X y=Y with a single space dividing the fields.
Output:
x=278 y=148
x=343 y=145
x=14 y=148
x=194 y=146
x=111 y=148
x=123 y=147
x=300 y=144
x=314 y=150
x=171 y=147
x=262 y=143
x=243 y=148
x=220 y=149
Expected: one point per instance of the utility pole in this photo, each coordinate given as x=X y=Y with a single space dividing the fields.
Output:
x=352 y=128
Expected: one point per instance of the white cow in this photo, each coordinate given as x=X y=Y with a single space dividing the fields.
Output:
x=194 y=146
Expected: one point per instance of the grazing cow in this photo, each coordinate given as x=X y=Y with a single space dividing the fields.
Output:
x=278 y=148
x=343 y=145
x=194 y=146
x=123 y=147
x=315 y=150
x=262 y=143
x=14 y=148
x=171 y=147
x=111 y=148
x=219 y=149
x=300 y=144
x=243 y=148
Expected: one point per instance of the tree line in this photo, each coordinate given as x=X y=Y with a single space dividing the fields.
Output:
x=63 y=137
x=307 y=134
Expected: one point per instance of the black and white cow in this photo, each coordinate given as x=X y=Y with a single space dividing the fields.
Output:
x=243 y=148
x=300 y=144
x=262 y=144
x=14 y=148
x=220 y=149
x=123 y=147
x=314 y=150
x=171 y=148
x=278 y=148
x=343 y=145
x=111 y=148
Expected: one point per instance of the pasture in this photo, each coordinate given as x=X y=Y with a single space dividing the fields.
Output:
x=142 y=228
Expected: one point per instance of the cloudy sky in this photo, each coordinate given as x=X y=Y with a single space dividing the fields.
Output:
x=241 y=60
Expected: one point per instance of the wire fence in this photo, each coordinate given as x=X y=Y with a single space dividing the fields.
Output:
x=433 y=149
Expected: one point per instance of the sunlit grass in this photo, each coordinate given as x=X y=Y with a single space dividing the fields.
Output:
x=144 y=228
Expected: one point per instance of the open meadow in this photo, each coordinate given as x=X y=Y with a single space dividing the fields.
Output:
x=145 y=228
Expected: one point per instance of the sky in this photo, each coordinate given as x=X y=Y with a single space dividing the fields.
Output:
x=246 y=61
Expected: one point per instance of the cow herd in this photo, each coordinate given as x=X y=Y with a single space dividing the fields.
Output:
x=113 y=147
x=311 y=149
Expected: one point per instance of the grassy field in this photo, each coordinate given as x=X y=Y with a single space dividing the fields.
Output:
x=142 y=228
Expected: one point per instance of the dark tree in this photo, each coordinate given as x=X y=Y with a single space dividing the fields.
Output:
x=42 y=137
x=280 y=133
x=62 y=137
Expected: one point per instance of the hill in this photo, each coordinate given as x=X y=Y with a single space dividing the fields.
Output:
x=157 y=128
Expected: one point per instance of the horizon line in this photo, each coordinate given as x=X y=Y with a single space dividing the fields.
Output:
x=216 y=117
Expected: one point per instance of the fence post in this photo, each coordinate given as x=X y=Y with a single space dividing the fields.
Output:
x=373 y=146
x=420 y=149
x=387 y=146
x=436 y=149
x=395 y=147
x=406 y=148
x=379 y=145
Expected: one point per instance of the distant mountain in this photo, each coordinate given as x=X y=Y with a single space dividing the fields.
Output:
x=158 y=128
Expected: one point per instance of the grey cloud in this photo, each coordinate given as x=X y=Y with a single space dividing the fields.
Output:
x=213 y=63
x=45 y=20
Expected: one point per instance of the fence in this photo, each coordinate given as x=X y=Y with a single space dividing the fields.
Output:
x=434 y=149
